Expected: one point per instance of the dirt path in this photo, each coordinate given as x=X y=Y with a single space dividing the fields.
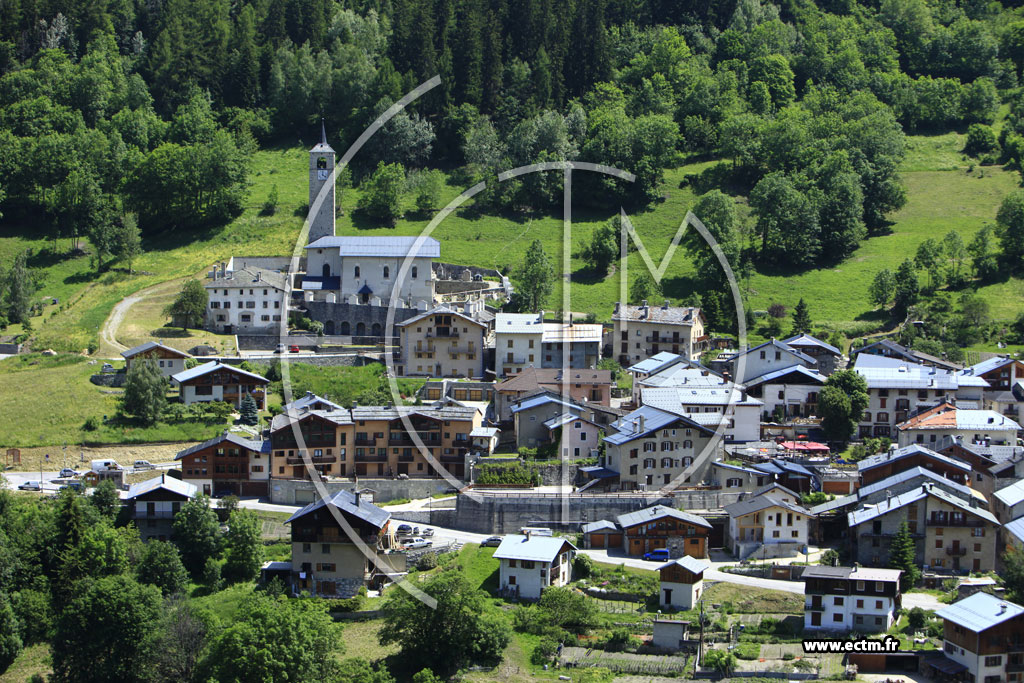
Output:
x=109 y=346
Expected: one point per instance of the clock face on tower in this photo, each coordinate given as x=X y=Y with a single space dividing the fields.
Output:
x=322 y=174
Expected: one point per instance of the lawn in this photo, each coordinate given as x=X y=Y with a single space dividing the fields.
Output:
x=32 y=660
x=737 y=598
x=47 y=399
x=942 y=195
x=480 y=567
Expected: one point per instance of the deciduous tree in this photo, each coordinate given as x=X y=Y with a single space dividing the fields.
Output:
x=197 y=534
x=161 y=566
x=882 y=287
x=842 y=401
x=190 y=305
x=243 y=546
x=381 y=196
x=145 y=391
x=534 y=277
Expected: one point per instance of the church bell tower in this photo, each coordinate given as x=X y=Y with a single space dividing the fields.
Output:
x=321 y=168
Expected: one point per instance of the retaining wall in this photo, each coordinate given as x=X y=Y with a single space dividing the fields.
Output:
x=283 y=491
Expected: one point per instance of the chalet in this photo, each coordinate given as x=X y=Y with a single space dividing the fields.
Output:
x=738 y=478
x=770 y=357
x=901 y=482
x=898 y=389
x=215 y=381
x=726 y=405
x=683 y=533
x=789 y=474
x=524 y=340
x=531 y=563
x=442 y=343
x=850 y=599
x=788 y=393
x=168 y=360
x=681 y=582
x=983 y=637
x=827 y=356
x=1005 y=377
x=644 y=331
x=590 y=386
x=650 y=447
x=324 y=435
x=770 y=524
x=153 y=503
x=464 y=392
x=883 y=465
x=328 y=539
x=886 y=348
x=484 y=440
x=952 y=535
x=947 y=421
x=228 y=463
x=309 y=401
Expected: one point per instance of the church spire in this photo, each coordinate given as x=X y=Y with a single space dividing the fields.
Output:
x=323 y=132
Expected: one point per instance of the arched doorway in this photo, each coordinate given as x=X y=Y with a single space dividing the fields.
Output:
x=329 y=327
x=360 y=329
x=376 y=329
x=346 y=329
x=327 y=270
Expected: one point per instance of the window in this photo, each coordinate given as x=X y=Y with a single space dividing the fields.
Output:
x=511 y=580
x=838 y=616
x=938 y=544
x=512 y=564
x=994 y=660
x=415 y=272
x=307 y=548
x=860 y=586
x=387 y=272
x=527 y=564
x=355 y=271
x=977 y=547
x=878 y=604
x=325 y=567
x=860 y=604
x=978 y=531
x=325 y=548
x=837 y=601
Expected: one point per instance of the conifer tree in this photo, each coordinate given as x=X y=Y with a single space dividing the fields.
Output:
x=249 y=411
x=902 y=552
x=801 y=318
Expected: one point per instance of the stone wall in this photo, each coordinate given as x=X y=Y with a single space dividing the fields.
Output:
x=452 y=271
x=283 y=491
x=333 y=314
x=109 y=379
x=10 y=348
x=459 y=287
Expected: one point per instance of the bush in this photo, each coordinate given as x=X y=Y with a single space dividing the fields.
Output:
x=91 y=424
x=829 y=558
x=530 y=619
x=721 y=661
x=211 y=575
x=427 y=561
x=582 y=566
x=917 y=618
x=747 y=650
x=620 y=640
x=545 y=651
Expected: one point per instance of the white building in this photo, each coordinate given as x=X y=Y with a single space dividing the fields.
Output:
x=531 y=563
x=947 y=423
x=766 y=526
x=898 y=389
x=767 y=358
x=365 y=270
x=168 y=360
x=789 y=392
x=215 y=381
x=850 y=599
x=522 y=340
x=682 y=582
x=711 y=406
x=247 y=300
x=654 y=365
x=985 y=635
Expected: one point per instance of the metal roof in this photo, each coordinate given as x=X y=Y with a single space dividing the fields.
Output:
x=536 y=548
x=598 y=526
x=690 y=564
x=540 y=400
x=574 y=333
x=980 y=611
x=205 y=368
x=673 y=398
x=340 y=416
x=484 y=432
x=182 y=488
x=149 y=346
x=658 y=361
x=874 y=461
x=808 y=340
x=896 y=373
x=396 y=247
x=826 y=572
x=347 y=502
x=909 y=475
x=252 y=445
x=649 y=514
x=875 y=574
x=565 y=418
x=1012 y=494
x=763 y=502
x=250 y=276
x=684 y=374
x=518 y=323
x=988 y=365
x=869 y=512
x=782 y=347
x=440 y=310
x=812 y=375
x=1016 y=527
x=728 y=466
x=309 y=399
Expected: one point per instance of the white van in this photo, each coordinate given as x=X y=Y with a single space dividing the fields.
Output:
x=104 y=465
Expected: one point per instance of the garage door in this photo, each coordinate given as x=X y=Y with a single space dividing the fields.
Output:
x=303 y=496
x=614 y=540
x=596 y=540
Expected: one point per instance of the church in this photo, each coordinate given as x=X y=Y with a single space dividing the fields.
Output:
x=347 y=282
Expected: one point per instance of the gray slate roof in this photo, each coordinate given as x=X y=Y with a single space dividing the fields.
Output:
x=257 y=446
x=649 y=514
x=671 y=315
x=879 y=459
x=212 y=366
x=535 y=548
x=690 y=564
x=182 y=488
x=763 y=502
x=250 y=276
x=346 y=501
x=599 y=525
x=806 y=340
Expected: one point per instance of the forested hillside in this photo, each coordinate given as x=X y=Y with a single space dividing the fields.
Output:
x=118 y=109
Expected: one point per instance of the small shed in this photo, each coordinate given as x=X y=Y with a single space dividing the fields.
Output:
x=670 y=634
x=602 y=534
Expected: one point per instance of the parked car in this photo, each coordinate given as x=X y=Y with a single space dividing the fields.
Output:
x=404 y=529
x=657 y=555
x=144 y=465
x=293 y=349
x=67 y=473
x=74 y=486
x=491 y=542
x=427 y=531
x=415 y=531
x=418 y=543
x=281 y=348
x=30 y=486
x=107 y=367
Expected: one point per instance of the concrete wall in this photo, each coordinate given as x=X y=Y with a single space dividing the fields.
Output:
x=283 y=491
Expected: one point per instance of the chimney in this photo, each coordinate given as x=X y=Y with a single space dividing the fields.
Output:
x=259 y=276
x=526 y=532
x=1002 y=607
x=616 y=311
x=888 y=494
x=924 y=488
x=540 y=317
x=640 y=423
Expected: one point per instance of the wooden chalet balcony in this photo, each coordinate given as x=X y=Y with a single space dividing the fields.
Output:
x=316 y=459
x=444 y=333
x=366 y=441
x=405 y=458
x=655 y=339
x=956 y=551
x=453 y=457
x=335 y=535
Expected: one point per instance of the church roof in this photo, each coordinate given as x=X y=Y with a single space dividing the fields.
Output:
x=322 y=146
x=395 y=247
